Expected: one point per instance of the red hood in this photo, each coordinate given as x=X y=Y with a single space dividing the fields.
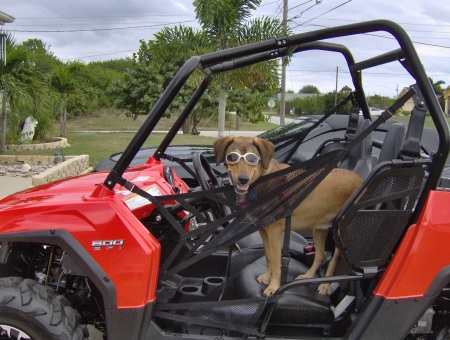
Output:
x=67 y=189
x=77 y=188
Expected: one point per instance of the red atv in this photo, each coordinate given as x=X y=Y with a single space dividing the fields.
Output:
x=142 y=253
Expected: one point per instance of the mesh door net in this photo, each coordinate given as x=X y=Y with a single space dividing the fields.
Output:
x=369 y=227
x=271 y=198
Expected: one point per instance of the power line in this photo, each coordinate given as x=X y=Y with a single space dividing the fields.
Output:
x=99 y=29
x=324 y=13
x=98 y=55
x=300 y=4
x=107 y=16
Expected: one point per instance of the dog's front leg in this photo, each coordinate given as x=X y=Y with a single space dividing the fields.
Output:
x=274 y=233
x=265 y=278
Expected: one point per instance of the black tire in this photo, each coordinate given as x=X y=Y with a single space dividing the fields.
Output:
x=29 y=310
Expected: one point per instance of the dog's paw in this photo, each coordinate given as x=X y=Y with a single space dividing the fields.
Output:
x=301 y=277
x=270 y=290
x=264 y=278
x=324 y=289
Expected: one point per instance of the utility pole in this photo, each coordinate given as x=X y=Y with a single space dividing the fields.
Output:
x=337 y=75
x=283 y=69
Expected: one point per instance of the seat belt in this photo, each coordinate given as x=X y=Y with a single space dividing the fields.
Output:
x=285 y=254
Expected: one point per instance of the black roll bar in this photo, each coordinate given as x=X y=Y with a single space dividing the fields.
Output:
x=220 y=61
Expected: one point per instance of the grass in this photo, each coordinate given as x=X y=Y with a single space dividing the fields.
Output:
x=88 y=135
x=84 y=136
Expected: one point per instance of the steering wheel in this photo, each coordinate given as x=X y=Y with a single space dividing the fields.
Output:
x=204 y=172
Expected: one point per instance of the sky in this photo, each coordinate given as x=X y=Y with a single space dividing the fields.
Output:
x=91 y=30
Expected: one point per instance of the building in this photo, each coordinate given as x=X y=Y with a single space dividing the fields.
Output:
x=409 y=105
x=446 y=97
x=5 y=18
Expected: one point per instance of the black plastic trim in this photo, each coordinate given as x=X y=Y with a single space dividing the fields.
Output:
x=441 y=280
x=84 y=260
x=389 y=319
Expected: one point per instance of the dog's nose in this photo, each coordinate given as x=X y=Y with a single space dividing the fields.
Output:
x=243 y=179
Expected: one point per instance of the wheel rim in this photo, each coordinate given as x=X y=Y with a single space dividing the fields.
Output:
x=10 y=332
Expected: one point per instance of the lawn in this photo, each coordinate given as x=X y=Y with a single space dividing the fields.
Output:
x=104 y=134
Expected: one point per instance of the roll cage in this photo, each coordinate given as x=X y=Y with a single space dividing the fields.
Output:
x=237 y=57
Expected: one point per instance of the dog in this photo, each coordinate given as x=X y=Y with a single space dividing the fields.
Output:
x=249 y=158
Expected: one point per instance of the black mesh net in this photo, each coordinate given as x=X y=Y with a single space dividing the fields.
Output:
x=372 y=225
x=238 y=315
x=271 y=198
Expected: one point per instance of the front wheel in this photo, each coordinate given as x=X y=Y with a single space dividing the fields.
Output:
x=29 y=310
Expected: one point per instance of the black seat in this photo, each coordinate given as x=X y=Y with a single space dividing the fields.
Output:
x=297 y=245
x=298 y=306
x=393 y=141
x=359 y=158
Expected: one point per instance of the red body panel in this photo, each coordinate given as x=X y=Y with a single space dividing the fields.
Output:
x=423 y=252
x=69 y=204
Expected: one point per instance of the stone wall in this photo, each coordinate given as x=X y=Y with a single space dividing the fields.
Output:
x=72 y=166
x=58 y=142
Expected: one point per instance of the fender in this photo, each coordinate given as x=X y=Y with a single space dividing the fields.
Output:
x=413 y=271
x=136 y=319
x=413 y=280
x=91 y=223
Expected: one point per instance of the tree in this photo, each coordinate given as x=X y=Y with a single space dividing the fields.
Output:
x=437 y=86
x=63 y=82
x=43 y=59
x=225 y=24
x=310 y=89
x=159 y=59
x=381 y=102
x=18 y=81
x=346 y=89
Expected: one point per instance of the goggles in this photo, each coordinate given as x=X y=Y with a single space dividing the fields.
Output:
x=249 y=158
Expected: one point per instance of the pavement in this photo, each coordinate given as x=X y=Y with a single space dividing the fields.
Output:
x=10 y=185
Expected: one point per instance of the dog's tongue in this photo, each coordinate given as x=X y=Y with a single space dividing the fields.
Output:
x=242 y=187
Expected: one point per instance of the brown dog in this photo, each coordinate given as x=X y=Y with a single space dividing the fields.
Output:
x=247 y=159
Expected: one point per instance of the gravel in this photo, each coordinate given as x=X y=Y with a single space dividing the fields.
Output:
x=23 y=169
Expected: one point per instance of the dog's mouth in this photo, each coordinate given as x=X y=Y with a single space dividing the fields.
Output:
x=241 y=188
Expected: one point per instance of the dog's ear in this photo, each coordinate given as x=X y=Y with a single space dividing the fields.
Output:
x=266 y=149
x=220 y=147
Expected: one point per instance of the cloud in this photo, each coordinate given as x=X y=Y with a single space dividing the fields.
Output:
x=107 y=29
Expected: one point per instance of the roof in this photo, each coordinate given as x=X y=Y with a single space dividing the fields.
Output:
x=6 y=18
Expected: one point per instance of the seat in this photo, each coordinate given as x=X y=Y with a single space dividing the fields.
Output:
x=393 y=141
x=359 y=158
x=297 y=245
x=298 y=306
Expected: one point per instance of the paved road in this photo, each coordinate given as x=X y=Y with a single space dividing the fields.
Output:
x=273 y=119
x=10 y=185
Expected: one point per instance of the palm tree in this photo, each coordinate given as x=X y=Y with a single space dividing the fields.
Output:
x=225 y=23
x=437 y=86
x=18 y=82
x=63 y=82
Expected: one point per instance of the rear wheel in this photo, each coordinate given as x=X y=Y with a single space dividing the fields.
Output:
x=29 y=310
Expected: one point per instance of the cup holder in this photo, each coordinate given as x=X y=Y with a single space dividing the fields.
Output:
x=189 y=289
x=200 y=290
x=211 y=283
